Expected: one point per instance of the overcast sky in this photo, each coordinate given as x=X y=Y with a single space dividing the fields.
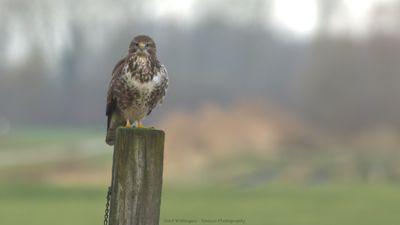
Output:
x=47 y=23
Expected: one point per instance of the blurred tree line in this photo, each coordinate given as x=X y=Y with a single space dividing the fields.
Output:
x=337 y=83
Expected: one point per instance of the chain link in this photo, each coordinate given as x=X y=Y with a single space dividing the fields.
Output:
x=107 y=210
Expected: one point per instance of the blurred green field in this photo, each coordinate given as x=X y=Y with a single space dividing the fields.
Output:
x=278 y=205
x=57 y=177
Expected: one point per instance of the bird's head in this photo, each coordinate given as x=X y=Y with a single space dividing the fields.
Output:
x=143 y=46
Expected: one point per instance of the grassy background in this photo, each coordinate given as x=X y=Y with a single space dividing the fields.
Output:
x=60 y=176
x=280 y=205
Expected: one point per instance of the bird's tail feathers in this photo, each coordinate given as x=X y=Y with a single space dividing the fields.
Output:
x=115 y=122
x=110 y=137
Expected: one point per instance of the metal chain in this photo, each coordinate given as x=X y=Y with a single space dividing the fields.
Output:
x=107 y=210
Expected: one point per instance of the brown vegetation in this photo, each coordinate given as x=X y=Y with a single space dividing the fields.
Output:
x=196 y=138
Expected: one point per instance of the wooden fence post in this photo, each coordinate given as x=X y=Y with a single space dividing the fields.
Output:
x=137 y=177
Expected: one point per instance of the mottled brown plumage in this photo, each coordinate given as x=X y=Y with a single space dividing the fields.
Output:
x=139 y=82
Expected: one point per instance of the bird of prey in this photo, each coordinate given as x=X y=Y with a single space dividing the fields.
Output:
x=139 y=82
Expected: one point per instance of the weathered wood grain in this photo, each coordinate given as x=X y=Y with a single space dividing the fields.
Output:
x=137 y=177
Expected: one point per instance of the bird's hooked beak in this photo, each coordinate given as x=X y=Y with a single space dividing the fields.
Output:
x=142 y=49
x=142 y=46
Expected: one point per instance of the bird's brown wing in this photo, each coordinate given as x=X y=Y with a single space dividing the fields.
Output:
x=111 y=101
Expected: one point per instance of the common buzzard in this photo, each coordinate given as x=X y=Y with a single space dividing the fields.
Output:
x=139 y=82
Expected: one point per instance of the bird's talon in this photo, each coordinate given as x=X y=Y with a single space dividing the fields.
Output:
x=128 y=124
x=140 y=124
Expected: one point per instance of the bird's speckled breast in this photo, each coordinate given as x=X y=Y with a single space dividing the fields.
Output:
x=136 y=106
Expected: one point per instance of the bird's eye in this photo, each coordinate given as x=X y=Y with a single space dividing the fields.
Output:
x=133 y=45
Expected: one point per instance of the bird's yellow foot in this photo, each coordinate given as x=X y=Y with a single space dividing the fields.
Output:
x=128 y=124
x=140 y=124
